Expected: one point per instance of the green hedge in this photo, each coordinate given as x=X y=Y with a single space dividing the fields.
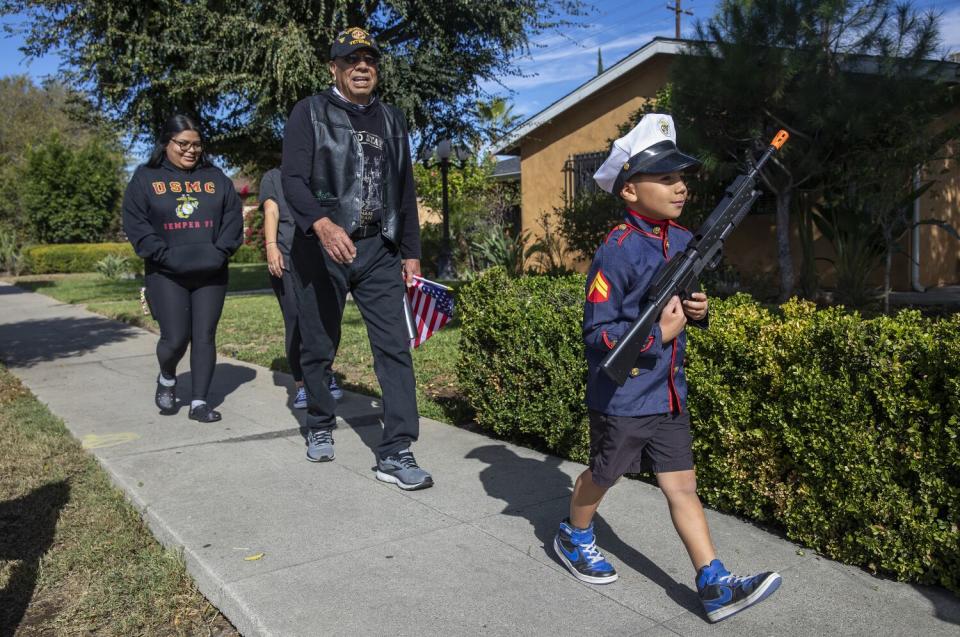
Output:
x=521 y=364
x=76 y=257
x=841 y=431
x=83 y=257
x=247 y=254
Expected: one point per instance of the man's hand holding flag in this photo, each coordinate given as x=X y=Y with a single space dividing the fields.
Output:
x=428 y=307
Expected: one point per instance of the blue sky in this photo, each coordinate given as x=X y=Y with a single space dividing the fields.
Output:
x=558 y=62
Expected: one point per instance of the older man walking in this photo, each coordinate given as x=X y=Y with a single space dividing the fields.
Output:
x=348 y=177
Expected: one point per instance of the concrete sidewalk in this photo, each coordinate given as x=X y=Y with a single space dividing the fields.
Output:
x=344 y=554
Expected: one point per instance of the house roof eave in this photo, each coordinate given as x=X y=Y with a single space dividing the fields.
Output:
x=510 y=143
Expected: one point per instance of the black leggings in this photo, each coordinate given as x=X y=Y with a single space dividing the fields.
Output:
x=188 y=308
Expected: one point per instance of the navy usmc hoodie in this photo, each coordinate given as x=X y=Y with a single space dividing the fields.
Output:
x=182 y=221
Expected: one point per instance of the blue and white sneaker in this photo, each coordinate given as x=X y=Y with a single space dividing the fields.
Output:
x=724 y=595
x=320 y=445
x=335 y=390
x=577 y=549
x=300 y=401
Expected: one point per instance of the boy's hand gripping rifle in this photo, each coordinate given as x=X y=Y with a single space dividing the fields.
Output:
x=682 y=271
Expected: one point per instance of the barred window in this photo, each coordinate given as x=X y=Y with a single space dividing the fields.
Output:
x=578 y=173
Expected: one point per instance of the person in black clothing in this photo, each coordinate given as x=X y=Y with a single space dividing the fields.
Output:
x=184 y=218
x=278 y=228
x=348 y=177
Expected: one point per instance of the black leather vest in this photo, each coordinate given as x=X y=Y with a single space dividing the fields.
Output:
x=336 y=180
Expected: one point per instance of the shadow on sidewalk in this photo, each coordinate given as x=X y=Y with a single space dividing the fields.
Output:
x=30 y=342
x=12 y=289
x=227 y=377
x=27 y=528
x=946 y=606
x=369 y=429
x=512 y=478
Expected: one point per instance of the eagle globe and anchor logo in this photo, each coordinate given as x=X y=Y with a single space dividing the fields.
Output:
x=187 y=206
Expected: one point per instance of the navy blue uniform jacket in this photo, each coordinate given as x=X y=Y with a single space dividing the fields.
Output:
x=618 y=281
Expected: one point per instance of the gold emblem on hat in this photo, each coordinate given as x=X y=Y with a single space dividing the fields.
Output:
x=626 y=166
x=664 y=126
x=359 y=34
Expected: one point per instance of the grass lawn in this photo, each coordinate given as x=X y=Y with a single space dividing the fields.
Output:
x=89 y=286
x=251 y=330
x=75 y=557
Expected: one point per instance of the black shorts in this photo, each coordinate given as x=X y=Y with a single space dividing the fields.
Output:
x=623 y=444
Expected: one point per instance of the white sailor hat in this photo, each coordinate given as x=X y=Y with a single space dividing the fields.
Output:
x=650 y=148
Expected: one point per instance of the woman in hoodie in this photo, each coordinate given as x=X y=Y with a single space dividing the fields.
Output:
x=184 y=218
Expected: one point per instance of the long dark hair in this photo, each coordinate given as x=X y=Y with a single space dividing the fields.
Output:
x=176 y=124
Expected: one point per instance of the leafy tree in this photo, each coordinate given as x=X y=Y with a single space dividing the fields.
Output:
x=69 y=195
x=240 y=65
x=899 y=126
x=585 y=221
x=30 y=115
x=495 y=118
x=803 y=65
x=477 y=203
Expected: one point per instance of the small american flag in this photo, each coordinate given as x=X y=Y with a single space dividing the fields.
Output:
x=432 y=306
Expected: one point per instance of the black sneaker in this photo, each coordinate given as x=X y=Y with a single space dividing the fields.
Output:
x=166 y=398
x=204 y=413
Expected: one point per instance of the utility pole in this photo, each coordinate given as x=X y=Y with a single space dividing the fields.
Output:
x=678 y=10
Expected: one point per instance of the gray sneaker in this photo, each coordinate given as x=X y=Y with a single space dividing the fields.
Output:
x=401 y=469
x=320 y=445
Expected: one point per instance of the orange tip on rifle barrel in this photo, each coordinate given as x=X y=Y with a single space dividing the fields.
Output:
x=780 y=139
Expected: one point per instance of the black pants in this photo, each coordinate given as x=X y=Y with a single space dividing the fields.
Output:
x=188 y=309
x=375 y=281
x=287 y=297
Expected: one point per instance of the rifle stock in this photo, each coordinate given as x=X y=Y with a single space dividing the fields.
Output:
x=682 y=271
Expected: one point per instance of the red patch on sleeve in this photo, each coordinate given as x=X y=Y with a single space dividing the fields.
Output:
x=599 y=290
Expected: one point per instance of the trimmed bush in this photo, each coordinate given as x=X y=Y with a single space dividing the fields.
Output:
x=247 y=253
x=71 y=195
x=521 y=362
x=76 y=257
x=841 y=431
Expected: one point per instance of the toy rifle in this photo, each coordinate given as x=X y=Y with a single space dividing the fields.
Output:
x=681 y=272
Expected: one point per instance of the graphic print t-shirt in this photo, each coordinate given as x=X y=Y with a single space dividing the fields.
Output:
x=368 y=131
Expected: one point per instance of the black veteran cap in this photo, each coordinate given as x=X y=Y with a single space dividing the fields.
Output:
x=350 y=40
x=650 y=148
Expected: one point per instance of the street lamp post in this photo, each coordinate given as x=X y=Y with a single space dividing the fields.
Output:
x=445 y=155
x=445 y=262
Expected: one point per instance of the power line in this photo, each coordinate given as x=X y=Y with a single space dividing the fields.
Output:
x=571 y=42
x=569 y=39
